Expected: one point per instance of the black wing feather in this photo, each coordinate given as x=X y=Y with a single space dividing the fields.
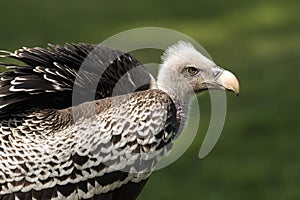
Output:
x=49 y=76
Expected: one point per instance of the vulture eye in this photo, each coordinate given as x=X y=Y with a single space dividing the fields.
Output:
x=192 y=70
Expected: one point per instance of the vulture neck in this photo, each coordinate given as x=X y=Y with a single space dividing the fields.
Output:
x=181 y=100
x=181 y=103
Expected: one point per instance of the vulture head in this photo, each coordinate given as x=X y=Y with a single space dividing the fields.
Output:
x=185 y=71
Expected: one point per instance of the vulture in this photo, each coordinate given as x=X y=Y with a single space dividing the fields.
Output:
x=84 y=121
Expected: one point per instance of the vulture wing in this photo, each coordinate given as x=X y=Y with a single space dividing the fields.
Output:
x=102 y=145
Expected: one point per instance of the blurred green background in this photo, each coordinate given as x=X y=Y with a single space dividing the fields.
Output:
x=258 y=154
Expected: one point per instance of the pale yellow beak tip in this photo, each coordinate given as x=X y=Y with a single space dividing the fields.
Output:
x=229 y=81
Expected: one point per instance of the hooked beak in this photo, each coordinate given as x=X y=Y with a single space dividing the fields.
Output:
x=224 y=80
x=229 y=81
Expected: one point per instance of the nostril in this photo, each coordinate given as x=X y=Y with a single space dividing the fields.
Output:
x=216 y=72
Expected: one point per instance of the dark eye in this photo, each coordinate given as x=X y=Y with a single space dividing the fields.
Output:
x=192 y=70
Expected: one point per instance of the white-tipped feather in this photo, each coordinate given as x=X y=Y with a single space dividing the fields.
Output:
x=4 y=53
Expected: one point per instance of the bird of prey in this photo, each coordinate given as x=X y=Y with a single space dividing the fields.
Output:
x=84 y=121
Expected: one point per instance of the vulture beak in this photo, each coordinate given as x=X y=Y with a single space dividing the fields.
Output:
x=227 y=80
